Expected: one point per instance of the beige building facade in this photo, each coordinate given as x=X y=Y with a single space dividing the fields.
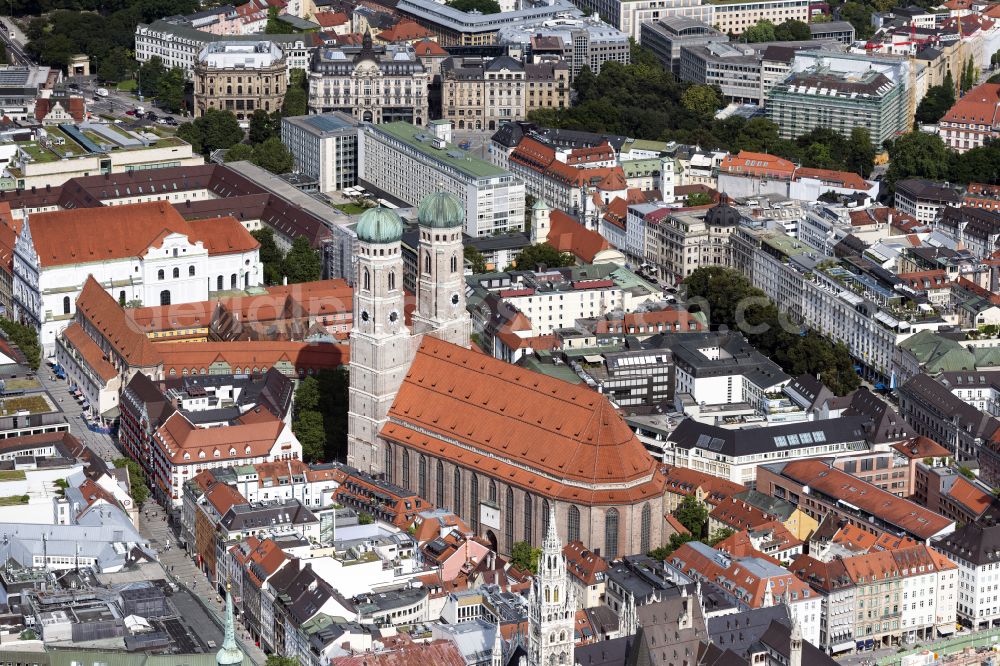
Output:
x=240 y=77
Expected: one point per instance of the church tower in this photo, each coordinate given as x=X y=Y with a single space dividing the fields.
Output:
x=440 y=274
x=380 y=342
x=230 y=654
x=551 y=605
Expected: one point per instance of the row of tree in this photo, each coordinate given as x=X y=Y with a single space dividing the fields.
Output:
x=168 y=86
x=765 y=31
x=643 y=99
x=732 y=302
x=921 y=155
x=26 y=339
x=319 y=419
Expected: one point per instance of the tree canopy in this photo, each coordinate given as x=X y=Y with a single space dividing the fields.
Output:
x=692 y=514
x=137 y=480
x=26 y=339
x=212 y=131
x=543 y=254
x=319 y=419
x=524 y=557
x=481 y=6
x=302 y=263
x=937 y=101
x=270 y=256
x=296 y=102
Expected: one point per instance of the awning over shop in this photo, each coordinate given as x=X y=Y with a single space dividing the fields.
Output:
x=842 y=647
x=946 y=630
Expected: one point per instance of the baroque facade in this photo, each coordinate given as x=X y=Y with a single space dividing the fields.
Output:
x=373 y=83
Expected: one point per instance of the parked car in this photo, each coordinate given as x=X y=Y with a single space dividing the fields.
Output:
x=101 y=92
x=130 y=112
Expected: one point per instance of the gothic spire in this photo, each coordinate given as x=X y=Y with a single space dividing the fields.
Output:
x=230 y=652
x=552 y=543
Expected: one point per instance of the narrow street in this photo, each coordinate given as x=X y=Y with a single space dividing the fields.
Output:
x=103 y=444
x=181 y=570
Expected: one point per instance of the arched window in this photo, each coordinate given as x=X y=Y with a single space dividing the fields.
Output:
x=367 y=280
x=545 y=517
x=392 y=281
x=218 y=283
x=159 y=274
x=474 y=497
x=406 y=468
x=177 y=272
x=165 y=297
x=548 y=598
x=440 y=484
x=611 y=533
x=527 y=517
x=65 y=304
x=427 y=263
x=190 y=271
x=644 y=527
x=388 y=463
x=509 y=519
x=232 y=281
x=454 y=264
x=573 y=525
x=422 y=476
x=493 y=491
x=457 y=508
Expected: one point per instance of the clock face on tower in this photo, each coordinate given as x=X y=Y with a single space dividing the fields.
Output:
x=365 y=316
x=393 y=317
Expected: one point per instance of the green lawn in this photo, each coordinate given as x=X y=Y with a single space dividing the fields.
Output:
x=37 y=153
x=128 y=86
x=12 y=475
x=22 y=384
x=35 y=404
x=14 y=500
x=350 y=208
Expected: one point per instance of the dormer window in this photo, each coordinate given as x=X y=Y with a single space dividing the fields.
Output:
x=201 y=454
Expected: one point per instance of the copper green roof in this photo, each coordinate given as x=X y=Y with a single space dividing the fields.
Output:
x=440 y=210
x=379 y=225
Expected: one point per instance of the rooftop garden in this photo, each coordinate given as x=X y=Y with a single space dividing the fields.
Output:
x=14 y=500
x=34 y=404
x=12 y=475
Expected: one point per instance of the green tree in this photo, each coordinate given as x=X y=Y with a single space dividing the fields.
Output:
x=543 y=254
x=302 y=263
x=936 y=103
x=296 y=102
x=192 y=134
x=274 y=25
x=524 y=557
x=698 y=199
x=150 y=74
x=692 y=514
x=701 y=100
x=137 y=479
x=171 y=90
x=860 y=156
x=307 y=395
x=792 y=31
x=116 y=66
x=475 y=258
x=481 y=6
x=859 y=15
x=263 y=126
x=25 y=338
x=676 y=541
x=239 y=153
x=277 y=660
x=333 y=403
x=308 y=428
x=917 y=155
x=270 y=255
x=762 y=31
x=273 y=155
x=365 y=518
x=719 y=535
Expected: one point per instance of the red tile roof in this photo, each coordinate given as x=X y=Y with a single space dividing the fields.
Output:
x=428 y=48
x=106 y=233
x=667 y=320
x=92 y=354
x=832 y=482
x=843 y=179
x=979 y=106
x=568 y=235
x=331 y=19
x=178 y=437
x=968 y=495
x=405 y=31
x=686 y=481
x=739 y=515
x=258 y=354
x=758 y=164
x=921 y=447
x=109 y=320
x=528 y=429
x=583 y=563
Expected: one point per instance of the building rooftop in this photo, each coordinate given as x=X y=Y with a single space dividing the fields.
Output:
x=447 y=154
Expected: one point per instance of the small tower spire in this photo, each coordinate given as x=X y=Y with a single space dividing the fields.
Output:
x=551 y=543
x=230 y=653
